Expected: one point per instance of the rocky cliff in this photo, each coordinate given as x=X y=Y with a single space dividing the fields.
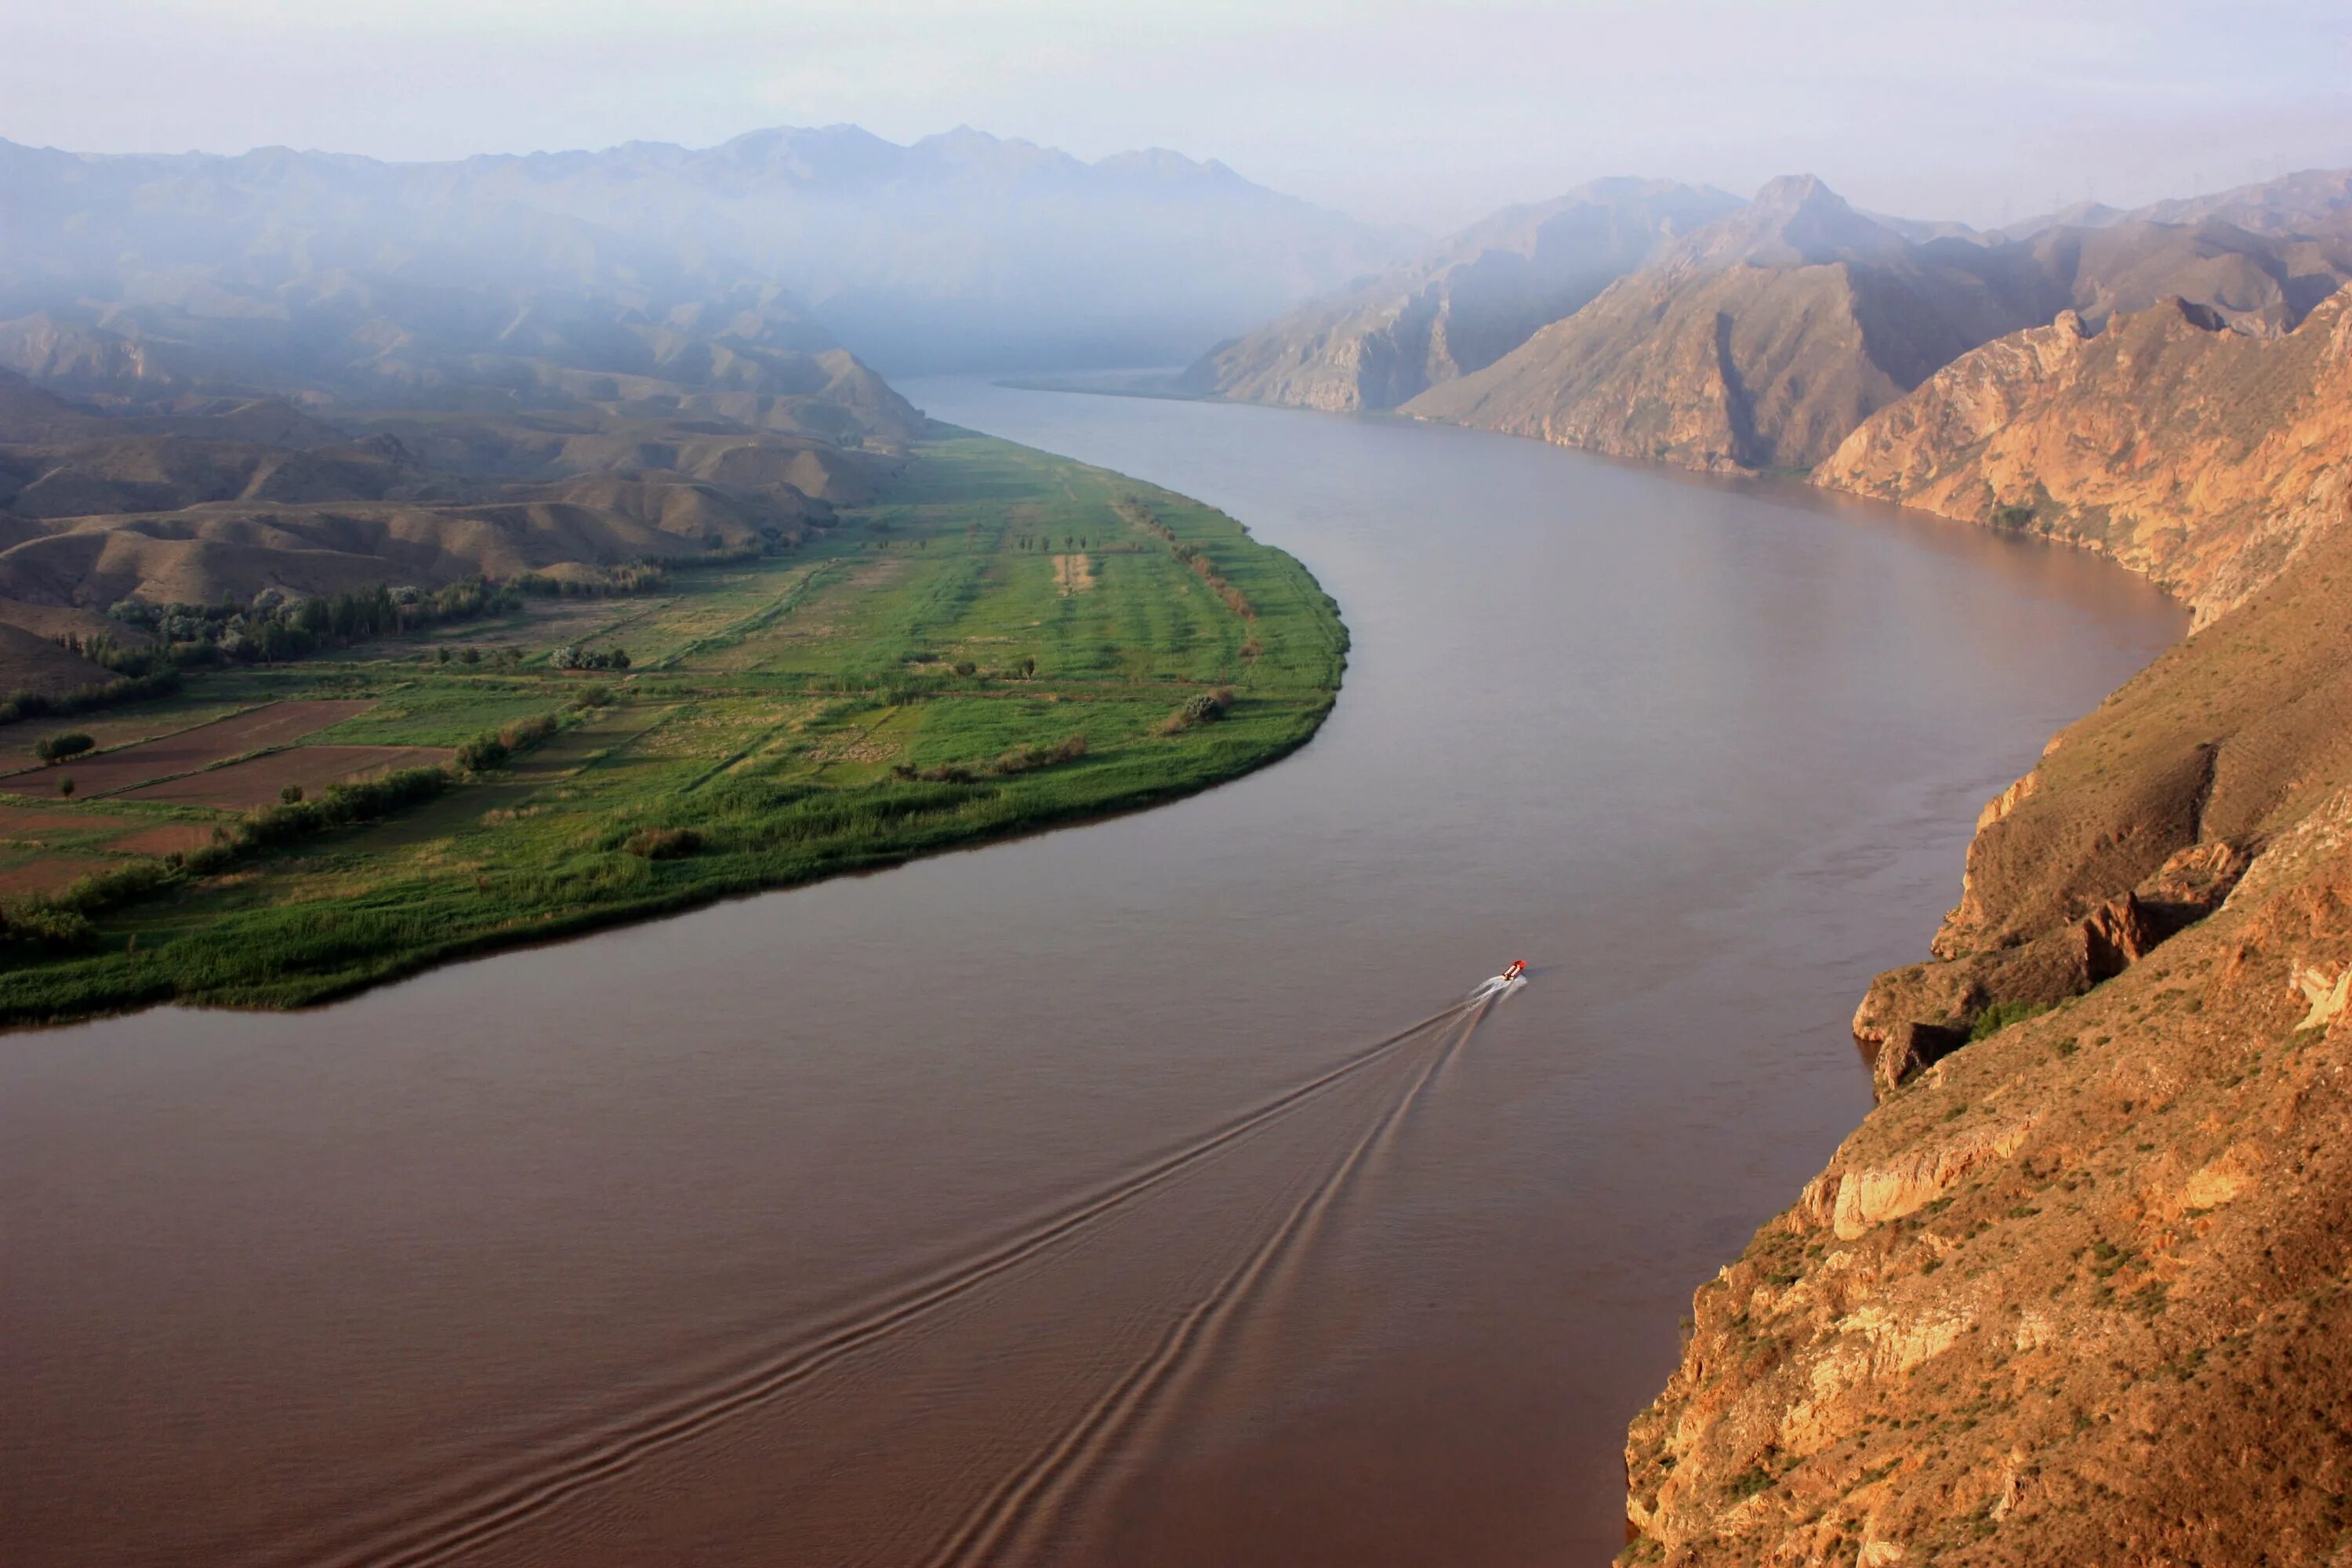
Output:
x=2199 y=455
x=2080 y=1289
x=1764 y=340
x=1471 y=300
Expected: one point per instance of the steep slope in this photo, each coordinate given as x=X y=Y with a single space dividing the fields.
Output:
x=1756 y=343
x=1762 y=341
x=2080 y=1289
x=2198 y=456
x=1463 y=306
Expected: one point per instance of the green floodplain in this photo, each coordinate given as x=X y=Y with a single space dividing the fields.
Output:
x=1004 y=641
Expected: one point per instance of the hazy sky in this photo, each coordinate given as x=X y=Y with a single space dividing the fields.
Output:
x=1428 y=113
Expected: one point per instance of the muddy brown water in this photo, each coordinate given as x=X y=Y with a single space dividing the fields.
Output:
x=1134 y=1195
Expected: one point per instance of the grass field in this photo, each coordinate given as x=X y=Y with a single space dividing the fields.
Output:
x=1004 y=641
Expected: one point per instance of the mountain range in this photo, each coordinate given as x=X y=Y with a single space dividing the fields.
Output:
x=960 y=251
x=1760 y=337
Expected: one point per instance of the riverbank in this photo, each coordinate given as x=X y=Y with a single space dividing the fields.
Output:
x=1004 y=642
x=2076 y=1288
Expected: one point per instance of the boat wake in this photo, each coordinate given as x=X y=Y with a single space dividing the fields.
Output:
x=1032 y=1504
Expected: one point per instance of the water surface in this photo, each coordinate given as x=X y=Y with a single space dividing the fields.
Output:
x=1048 y=1202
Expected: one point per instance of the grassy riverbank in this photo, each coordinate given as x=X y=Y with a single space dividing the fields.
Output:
x=1005 y=641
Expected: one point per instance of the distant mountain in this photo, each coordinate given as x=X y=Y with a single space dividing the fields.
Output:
x=1460 y=306
x=308 y=375
x=961 y=250
x=2309 y=202
x=1762 y=340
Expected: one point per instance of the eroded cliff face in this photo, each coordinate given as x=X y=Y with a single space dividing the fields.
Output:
x=2199 y=455
x=2080 y=1290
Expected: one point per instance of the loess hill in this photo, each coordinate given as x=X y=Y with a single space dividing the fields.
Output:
x=1459 y=309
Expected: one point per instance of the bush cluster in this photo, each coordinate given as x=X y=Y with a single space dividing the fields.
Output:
x=58 y=748
x=1017 y=760
x=492 y=748
x=1200 y=708
x=28 y=704
x=571 y=655
x=274 y=625
x=662 y=843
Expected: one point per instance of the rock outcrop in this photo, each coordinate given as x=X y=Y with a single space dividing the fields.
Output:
x=2201 y=456
x=2080 y=1289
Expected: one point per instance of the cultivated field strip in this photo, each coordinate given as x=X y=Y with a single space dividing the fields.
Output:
x=471 y=1511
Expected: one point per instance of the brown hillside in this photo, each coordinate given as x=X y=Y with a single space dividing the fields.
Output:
x=31 y=662
x=1762 y=341
x=1472 y=300
x=2199 y=455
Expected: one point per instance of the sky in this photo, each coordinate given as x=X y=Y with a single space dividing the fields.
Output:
x=1431 y=114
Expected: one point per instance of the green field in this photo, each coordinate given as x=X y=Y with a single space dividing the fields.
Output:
x=1006 y=640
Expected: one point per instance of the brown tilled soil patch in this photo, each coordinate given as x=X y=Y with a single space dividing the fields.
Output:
x=45 y=875
x=15 y=822
x=106 y=728
x=1074 y=573
x=252 y=785
x=109 y=772
x=164 y=838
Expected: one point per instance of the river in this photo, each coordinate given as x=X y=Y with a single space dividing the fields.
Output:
x=1060 y=1201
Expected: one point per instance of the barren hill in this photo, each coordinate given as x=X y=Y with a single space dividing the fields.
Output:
x=961 y=250
x=1463 y=306
x=1762 y=341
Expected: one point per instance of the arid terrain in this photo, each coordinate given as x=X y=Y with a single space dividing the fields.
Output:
x=2077 y=1290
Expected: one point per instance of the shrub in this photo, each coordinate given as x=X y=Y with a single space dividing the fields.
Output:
x=82 y=698
x=42 y=925
x=290 y=794
x=58 y=748
x=482 y=754
x=65 y=786
x=104 y=889
x=2000 y=1015
x=1202 y=708
x=594 y=696
x=521 y=734
x=663 y=843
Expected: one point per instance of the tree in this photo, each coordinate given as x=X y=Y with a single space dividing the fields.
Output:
x=65 y=786
x=56 y=748
x=291 y=795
